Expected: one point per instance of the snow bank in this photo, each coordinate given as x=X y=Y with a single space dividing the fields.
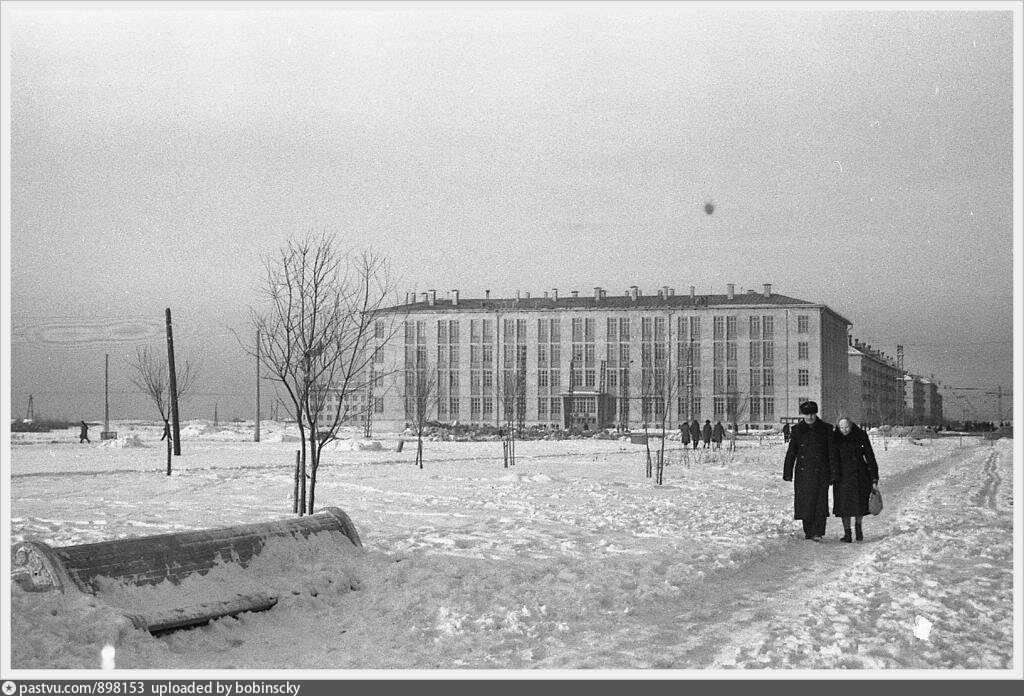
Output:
x=127 y=442
x=360 y=445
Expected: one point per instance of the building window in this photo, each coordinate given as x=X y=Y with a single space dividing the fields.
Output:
x=718 y=328
x=378 y=329
x=755 y=408
x=801 y=323
x=755 y=328
x=623 y=330
x=542 y=408
x=719 y=406
x=769 y=408
x=556 y=407
x=802 y=351
x=730 y=328
x=768 y=327
x=803 y=378
x=453 y=406
x=768 y=353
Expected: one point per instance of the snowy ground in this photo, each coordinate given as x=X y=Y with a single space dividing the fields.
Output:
x=571 y=559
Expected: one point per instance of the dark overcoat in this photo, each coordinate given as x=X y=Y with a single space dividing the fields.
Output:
x=694 y=431
x=706 y=432
x=812 y=464
x=718 y=434
x=684 y=434
x=857 y=471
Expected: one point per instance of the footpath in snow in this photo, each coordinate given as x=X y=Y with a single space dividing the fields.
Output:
x=572 y=559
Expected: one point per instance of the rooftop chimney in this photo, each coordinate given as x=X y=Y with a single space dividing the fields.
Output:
x=767 y=289
x=487 y=294
x=432 y=298
x=545 y=294
x=597 y=293
x=693 y=292
x=517 y=295
x=554 y=294
x=455 y=298
x=527 y=294
x=406 y=298
x=634 y=292
x=671 y=292
x=425 y=296
x=664 y=291
x=575 y=293
x=730 y=290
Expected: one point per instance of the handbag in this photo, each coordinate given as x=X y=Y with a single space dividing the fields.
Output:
x=875 y=501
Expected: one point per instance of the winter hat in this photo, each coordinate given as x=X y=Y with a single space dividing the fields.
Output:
x=808 y=407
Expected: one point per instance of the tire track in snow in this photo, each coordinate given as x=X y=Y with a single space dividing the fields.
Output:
x=990 y=489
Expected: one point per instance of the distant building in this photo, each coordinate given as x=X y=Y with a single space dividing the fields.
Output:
x=922 y=402
x=876 y=386
x=601 y=361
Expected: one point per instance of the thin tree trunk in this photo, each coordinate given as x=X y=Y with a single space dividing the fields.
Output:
x=168 y=455
x=647 y=445
x=298 y=473
x=314 y=454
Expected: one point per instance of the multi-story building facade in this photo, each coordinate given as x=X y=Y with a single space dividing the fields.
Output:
x=600 y=361
x=922 y=402
x=876 y=386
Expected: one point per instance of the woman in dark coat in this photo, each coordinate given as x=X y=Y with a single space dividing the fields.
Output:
x=718 y=434
x=695 y=432
x=705 y=433
x=812 y=464
x=858 y=474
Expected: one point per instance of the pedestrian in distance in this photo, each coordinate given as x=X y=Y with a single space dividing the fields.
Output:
x=858 y=474
x=705 y=433
x=812 y=463
x=718 y=434
x=695 y=432
x=83 y=435
x=785 y=432
x=684 y=435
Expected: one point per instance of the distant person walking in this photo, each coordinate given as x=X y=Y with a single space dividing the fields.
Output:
x=695 y=432
x=858 y=474
x=812 y=463
x=684 y=435
x=83 y=436
x=785 y=432
x=705 y=433
x=718 y=434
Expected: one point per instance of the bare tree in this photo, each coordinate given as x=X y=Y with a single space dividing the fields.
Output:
x=150 y=374
x=421 y=395
x=323 y=329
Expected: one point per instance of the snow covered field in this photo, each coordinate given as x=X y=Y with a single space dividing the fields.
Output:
x=571 y=559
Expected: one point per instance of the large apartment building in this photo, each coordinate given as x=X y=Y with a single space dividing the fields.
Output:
x=601 y=361
x=876 y=386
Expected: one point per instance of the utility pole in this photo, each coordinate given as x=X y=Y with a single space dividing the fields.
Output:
x=31 y=414
x=106 y=394
x=256 y=437
x=176 y=424
x=215 y=415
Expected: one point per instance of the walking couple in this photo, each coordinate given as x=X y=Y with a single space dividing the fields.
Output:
x=820 y=455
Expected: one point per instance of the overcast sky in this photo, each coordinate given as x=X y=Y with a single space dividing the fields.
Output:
x=860 y=159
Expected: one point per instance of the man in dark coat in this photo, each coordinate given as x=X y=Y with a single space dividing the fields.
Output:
x=718 y=434
x=705 y=433
x=695 y=432
x=684 y=434
x=812 y=463
x=83 y=435
x=785 y=432
x=858 y=474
